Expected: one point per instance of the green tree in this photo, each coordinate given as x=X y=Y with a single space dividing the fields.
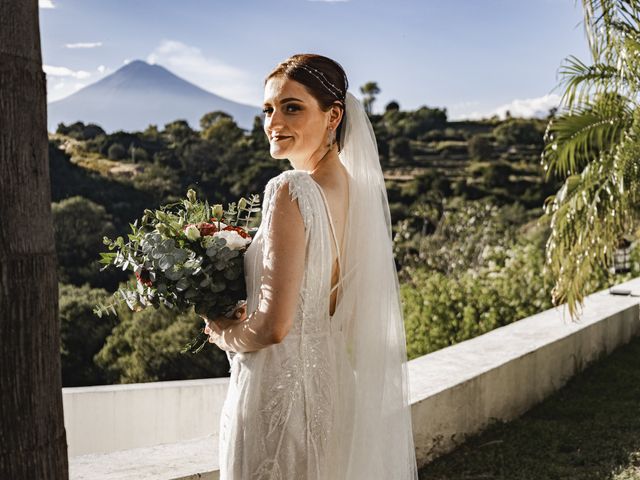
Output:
x=422 y=120
x=519 y=131
x=400 y=151
x=80 y=131
x=177 y=132
x=480 y=147
x=211 y=118
x=496 y=174
x=223 y=132
x=80 y=224
x=82 y=334
x=392 y=106
x=593 y=144
x=369 y=90
x=258 y=138
x=161 y=182
x=145 y=347
x=116 y=152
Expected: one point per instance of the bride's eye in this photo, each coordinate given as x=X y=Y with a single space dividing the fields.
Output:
x=266 y=110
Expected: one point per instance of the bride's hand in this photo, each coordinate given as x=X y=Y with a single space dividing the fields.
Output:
x=215 y=326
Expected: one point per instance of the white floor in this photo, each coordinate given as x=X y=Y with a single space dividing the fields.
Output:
x=196 y=458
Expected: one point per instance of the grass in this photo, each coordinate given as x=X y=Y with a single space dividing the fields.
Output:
x=588 y=430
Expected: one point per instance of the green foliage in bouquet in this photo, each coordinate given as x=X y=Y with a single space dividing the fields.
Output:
x=185 y=254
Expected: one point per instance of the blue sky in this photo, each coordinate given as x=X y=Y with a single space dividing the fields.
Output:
x=473 y=57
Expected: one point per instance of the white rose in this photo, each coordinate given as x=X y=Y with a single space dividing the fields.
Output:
x=192 y=232
x=235 y=241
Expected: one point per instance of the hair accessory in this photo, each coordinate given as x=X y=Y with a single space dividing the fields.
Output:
x=324 y=80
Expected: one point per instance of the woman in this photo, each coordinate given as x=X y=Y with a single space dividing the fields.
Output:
x=318 y=386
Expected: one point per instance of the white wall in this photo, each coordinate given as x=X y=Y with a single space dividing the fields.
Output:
x=118 y=417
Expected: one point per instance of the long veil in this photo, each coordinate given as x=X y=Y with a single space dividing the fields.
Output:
x=381 y=444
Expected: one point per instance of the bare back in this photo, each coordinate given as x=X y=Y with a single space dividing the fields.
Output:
x=335 y=186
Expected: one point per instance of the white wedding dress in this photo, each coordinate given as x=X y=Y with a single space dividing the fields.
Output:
x=284 y=417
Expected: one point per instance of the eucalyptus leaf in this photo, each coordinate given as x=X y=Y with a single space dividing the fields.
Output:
x=182 y=284
x=191 y=293
x=232 y=273
x=166 y=262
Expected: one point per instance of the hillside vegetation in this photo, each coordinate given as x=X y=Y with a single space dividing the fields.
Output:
x=465 y=198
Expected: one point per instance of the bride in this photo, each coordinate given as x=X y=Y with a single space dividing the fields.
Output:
x=318 y=387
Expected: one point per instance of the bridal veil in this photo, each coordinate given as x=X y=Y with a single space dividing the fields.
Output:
x=380 y=436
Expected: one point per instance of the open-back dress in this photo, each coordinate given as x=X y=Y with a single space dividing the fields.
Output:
x=287 y=410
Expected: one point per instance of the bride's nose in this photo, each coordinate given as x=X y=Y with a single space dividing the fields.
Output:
x=276 y=119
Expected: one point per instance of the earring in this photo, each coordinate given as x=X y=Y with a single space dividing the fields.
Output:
x=332 y=138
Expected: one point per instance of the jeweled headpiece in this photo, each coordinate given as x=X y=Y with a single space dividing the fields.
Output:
x=330 y=86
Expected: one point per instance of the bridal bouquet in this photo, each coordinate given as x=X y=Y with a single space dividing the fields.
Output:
x=184 y=255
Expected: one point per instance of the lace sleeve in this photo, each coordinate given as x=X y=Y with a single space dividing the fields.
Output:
x=283 y=268
x=299 y=184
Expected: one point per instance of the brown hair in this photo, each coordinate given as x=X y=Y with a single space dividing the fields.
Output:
x=293 y=69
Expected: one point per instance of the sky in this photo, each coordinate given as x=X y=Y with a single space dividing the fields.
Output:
x=475 y=58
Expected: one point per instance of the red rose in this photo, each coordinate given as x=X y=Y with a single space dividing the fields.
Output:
x=240 y=231
x=206 y=228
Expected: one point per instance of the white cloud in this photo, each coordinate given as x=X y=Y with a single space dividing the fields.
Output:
x=207 y=72
x=526 y=108
x=529 y=107
x=126 y=61
x=46 y=4
x=61 y=84
x=84 y=45
x=65 y=72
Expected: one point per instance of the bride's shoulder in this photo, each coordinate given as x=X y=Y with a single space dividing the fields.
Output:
x=297 y=181
x=294 y=184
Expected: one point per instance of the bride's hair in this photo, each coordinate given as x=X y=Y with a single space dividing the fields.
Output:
x=323 y=78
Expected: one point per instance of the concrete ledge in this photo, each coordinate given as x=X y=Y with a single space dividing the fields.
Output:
x=193 y=459
x=454 y=392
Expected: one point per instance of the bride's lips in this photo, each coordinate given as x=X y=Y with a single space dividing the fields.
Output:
x=277 y=139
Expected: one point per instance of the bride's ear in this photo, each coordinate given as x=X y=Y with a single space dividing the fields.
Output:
x=335 y=115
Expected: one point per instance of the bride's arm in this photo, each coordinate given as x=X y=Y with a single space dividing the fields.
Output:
x=283 y=267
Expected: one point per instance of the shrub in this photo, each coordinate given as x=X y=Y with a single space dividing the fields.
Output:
x=145 y=347
x=117 y=152
x=82 y=334
x=480 y=147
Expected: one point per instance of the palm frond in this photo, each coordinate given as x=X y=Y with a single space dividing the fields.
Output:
x=589 y=215
x=582 y=81
x=573 y=140
x=600 y=20
x=595 y=142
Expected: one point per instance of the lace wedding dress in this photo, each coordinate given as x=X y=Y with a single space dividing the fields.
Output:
x=284 y=417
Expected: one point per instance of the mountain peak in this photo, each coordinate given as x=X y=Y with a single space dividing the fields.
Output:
x=140 y=65
x=139 y=94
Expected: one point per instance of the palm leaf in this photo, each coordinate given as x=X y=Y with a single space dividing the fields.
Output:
x=595 y=142
x=575 y=139
x=582 y=81
x=589 y=215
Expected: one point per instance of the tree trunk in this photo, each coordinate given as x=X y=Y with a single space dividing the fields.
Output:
x=33 y=442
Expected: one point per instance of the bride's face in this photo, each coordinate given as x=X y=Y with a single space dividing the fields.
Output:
x=294 y=123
